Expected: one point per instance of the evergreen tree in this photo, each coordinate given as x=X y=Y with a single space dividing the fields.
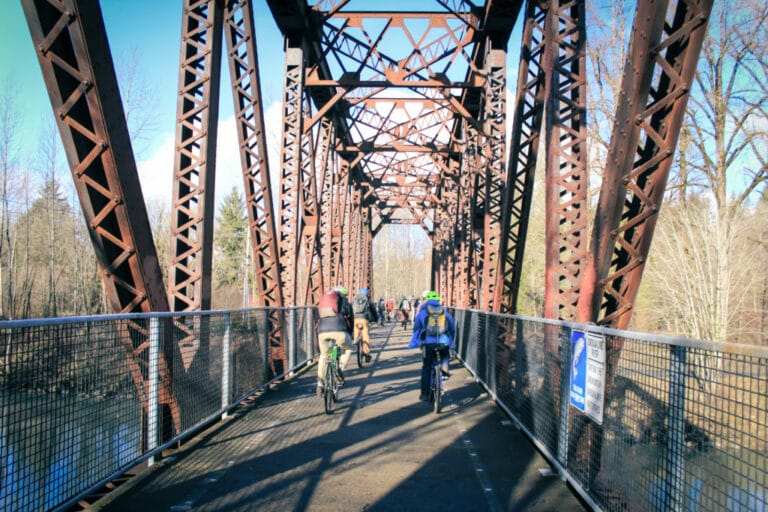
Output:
x=230 y=240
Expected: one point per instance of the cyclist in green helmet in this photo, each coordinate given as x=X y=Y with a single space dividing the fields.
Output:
x=433 y=325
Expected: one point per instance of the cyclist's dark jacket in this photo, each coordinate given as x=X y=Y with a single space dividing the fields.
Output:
x=340 y=322
x=420 y=322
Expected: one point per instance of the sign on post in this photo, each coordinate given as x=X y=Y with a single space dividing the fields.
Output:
x=588 y=374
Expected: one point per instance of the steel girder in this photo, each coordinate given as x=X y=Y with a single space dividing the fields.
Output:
x=566 y=159
x=77 y=67
x=325 y=162
x=194 y=170
x=242 y=54
x=192 y=209
x=660 y=67
x=290 y=173
x=494 y=149
x=523 y=156
x=246 y=92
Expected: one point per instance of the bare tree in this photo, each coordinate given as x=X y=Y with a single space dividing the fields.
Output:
x=9 y=122
x=139 y=99
x=729 y=107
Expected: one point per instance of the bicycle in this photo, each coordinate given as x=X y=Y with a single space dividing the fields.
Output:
x=332 y=380
x=436 y=377
x=405 y=314
x=361 y=357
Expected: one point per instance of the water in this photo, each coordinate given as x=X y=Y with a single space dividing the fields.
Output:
x=55 y=446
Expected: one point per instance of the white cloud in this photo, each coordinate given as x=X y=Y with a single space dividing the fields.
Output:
x=156 y=172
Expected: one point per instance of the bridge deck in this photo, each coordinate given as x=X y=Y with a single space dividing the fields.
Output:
x=382 y=449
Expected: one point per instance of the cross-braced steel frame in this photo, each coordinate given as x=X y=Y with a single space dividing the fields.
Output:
x=388 y=118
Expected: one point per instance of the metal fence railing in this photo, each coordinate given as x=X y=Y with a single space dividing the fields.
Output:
x=633 y=422
x=85 y=399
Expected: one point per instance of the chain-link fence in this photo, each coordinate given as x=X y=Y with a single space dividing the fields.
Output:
x=633 y=422
x=85 y=399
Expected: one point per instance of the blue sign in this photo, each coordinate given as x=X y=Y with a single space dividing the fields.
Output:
x=578 y=370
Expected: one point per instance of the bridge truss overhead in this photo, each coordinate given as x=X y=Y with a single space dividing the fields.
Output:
x=388 y=118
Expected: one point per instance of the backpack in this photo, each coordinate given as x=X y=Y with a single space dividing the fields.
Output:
x=328 y=305
x=360 y=305
x=435 y=321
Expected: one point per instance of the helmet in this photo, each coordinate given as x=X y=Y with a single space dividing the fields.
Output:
x=433 y=295
x=340 y=290
x=363 y=291
x=424 y=294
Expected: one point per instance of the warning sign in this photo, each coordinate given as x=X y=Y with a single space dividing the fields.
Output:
x=588 y=373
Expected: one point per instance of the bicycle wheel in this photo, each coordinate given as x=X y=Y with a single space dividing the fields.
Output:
x=359 y=345
x=328 y=392
x=437 y=379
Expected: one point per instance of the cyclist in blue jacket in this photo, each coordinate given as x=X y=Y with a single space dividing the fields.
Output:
x=433 y=325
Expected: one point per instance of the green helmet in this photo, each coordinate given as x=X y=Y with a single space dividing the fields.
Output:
x=432 y=295
x=341 y=290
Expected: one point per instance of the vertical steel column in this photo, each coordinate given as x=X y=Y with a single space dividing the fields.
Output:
x=494 y=127
x=347 y=248
x=462 y=270
x=309 y=281
x=290 y=171
x=338 y=217
x=246 y=94
x=450 y=205
x=326 y=172
x=656 y=84
x=523 y=156
x=566 y=169
x=475 y=214
x=356 y=238
x=194 y=170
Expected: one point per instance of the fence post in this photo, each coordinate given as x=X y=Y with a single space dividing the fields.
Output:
x=153 y=377
x=565 y=394
x=311 y=332
x=519 y=348
x=226 y=376
x=291 y=341
x=265 y=344
x=674 y=485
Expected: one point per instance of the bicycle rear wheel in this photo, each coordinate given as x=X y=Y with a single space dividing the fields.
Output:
x=359 y=345
x=437 y=388
x=328 y=392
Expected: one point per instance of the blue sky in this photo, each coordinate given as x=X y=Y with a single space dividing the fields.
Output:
x=152 y=29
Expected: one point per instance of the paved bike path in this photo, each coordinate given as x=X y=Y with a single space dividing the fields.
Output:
x=381 y=450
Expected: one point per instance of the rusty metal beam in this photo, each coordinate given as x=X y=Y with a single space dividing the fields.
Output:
x=246 y=94
x=290 y=172
x=523 y=156
x=73 y=53
x=242 y=56
x=494 y=147
x=194 y=170
x=194 y=166
x=566 y=159
x=661 y=63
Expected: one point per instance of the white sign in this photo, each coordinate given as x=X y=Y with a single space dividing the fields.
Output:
x=588 y=374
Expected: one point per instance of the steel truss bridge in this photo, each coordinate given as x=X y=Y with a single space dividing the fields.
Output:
x=388 y=117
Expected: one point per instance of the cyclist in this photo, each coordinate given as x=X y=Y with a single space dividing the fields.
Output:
x=405 y=311
x=336 y=323
x=365 y=313
x=433 y=324
x=380 y=310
